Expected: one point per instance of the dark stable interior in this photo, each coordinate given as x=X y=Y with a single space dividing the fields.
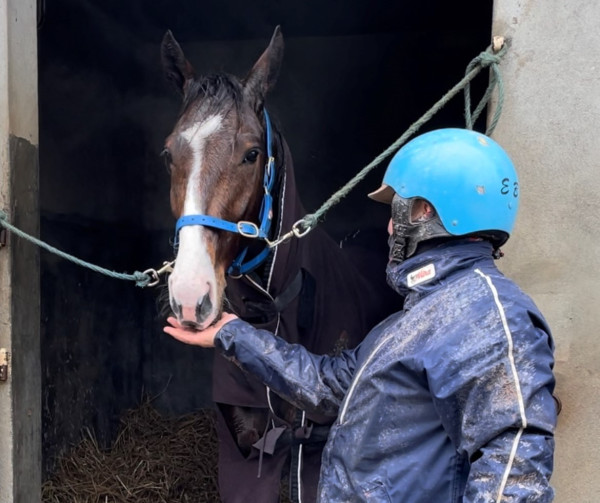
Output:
x=355 y=76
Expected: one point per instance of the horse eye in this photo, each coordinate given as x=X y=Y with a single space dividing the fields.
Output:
x=251 y=156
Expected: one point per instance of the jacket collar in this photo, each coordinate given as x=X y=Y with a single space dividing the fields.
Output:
x=423 y=273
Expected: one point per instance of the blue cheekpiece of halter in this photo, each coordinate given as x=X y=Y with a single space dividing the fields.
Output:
x=246 y=229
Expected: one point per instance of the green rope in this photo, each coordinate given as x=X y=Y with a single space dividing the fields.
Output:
x=141 y=279
x=484 y=60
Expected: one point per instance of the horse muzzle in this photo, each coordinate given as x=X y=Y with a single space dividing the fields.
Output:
x=192 y=303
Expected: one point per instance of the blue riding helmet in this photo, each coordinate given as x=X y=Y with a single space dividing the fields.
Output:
x=467 y=177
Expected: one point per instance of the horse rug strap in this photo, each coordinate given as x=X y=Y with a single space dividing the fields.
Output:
x=266 y=308
x=268 y=441
x=290 y=293
x=284 y=435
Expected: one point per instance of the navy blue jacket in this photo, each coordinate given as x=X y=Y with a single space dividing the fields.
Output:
x=449 y=400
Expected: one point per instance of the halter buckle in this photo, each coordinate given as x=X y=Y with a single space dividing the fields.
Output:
x=253 y=234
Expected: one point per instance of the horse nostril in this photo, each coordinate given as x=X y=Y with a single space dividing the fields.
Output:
x=203 y=308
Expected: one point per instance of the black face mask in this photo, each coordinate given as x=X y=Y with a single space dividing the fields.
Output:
x=399 y=240
x=406 y=234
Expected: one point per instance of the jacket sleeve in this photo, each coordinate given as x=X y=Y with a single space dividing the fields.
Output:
x=311 y=382
x=493 y=392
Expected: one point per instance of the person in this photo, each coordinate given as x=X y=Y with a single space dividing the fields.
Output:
x=450 y=399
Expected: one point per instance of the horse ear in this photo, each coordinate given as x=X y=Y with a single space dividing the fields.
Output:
x=178 y=70
x=263 y=76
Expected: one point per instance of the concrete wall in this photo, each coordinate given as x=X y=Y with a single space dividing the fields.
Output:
x=550 y=128
x=20 y=422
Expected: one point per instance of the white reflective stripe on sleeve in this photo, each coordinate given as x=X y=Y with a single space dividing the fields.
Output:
x=513 y=453
x=513 y=367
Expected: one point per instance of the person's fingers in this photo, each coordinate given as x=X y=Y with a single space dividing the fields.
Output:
x=204 y=338
x=173 y=322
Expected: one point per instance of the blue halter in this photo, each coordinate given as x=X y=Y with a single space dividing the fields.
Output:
x=247 y=229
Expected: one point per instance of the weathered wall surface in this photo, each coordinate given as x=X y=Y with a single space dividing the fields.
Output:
x=20 y=424
x=550 y=128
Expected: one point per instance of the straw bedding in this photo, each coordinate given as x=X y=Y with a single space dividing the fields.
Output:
x=153 y=460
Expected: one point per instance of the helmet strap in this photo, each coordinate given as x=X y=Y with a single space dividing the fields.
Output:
x=497 y=254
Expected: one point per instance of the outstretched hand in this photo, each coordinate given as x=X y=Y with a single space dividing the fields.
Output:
x=204 y=338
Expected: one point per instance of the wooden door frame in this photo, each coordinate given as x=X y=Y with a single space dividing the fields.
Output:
x=20 y=393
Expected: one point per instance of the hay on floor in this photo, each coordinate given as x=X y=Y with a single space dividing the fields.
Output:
x=153 y=459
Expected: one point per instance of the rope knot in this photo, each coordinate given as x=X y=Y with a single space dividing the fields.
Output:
x=141 y=279
x=3 y=215
x=486 y=59
x=309 y=221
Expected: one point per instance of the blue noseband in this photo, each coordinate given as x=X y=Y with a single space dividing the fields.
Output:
x=246 y=229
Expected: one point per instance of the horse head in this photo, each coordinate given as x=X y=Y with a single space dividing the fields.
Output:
x=216 y=154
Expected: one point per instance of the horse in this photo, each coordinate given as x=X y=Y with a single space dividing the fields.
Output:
x=233 y=193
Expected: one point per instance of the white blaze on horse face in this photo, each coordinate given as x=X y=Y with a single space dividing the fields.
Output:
x=192 y=285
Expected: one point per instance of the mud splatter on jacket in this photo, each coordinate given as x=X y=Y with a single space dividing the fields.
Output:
x=449 y=400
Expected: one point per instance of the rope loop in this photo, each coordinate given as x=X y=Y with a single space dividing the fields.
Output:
x=489 y=59
x=306 y=224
